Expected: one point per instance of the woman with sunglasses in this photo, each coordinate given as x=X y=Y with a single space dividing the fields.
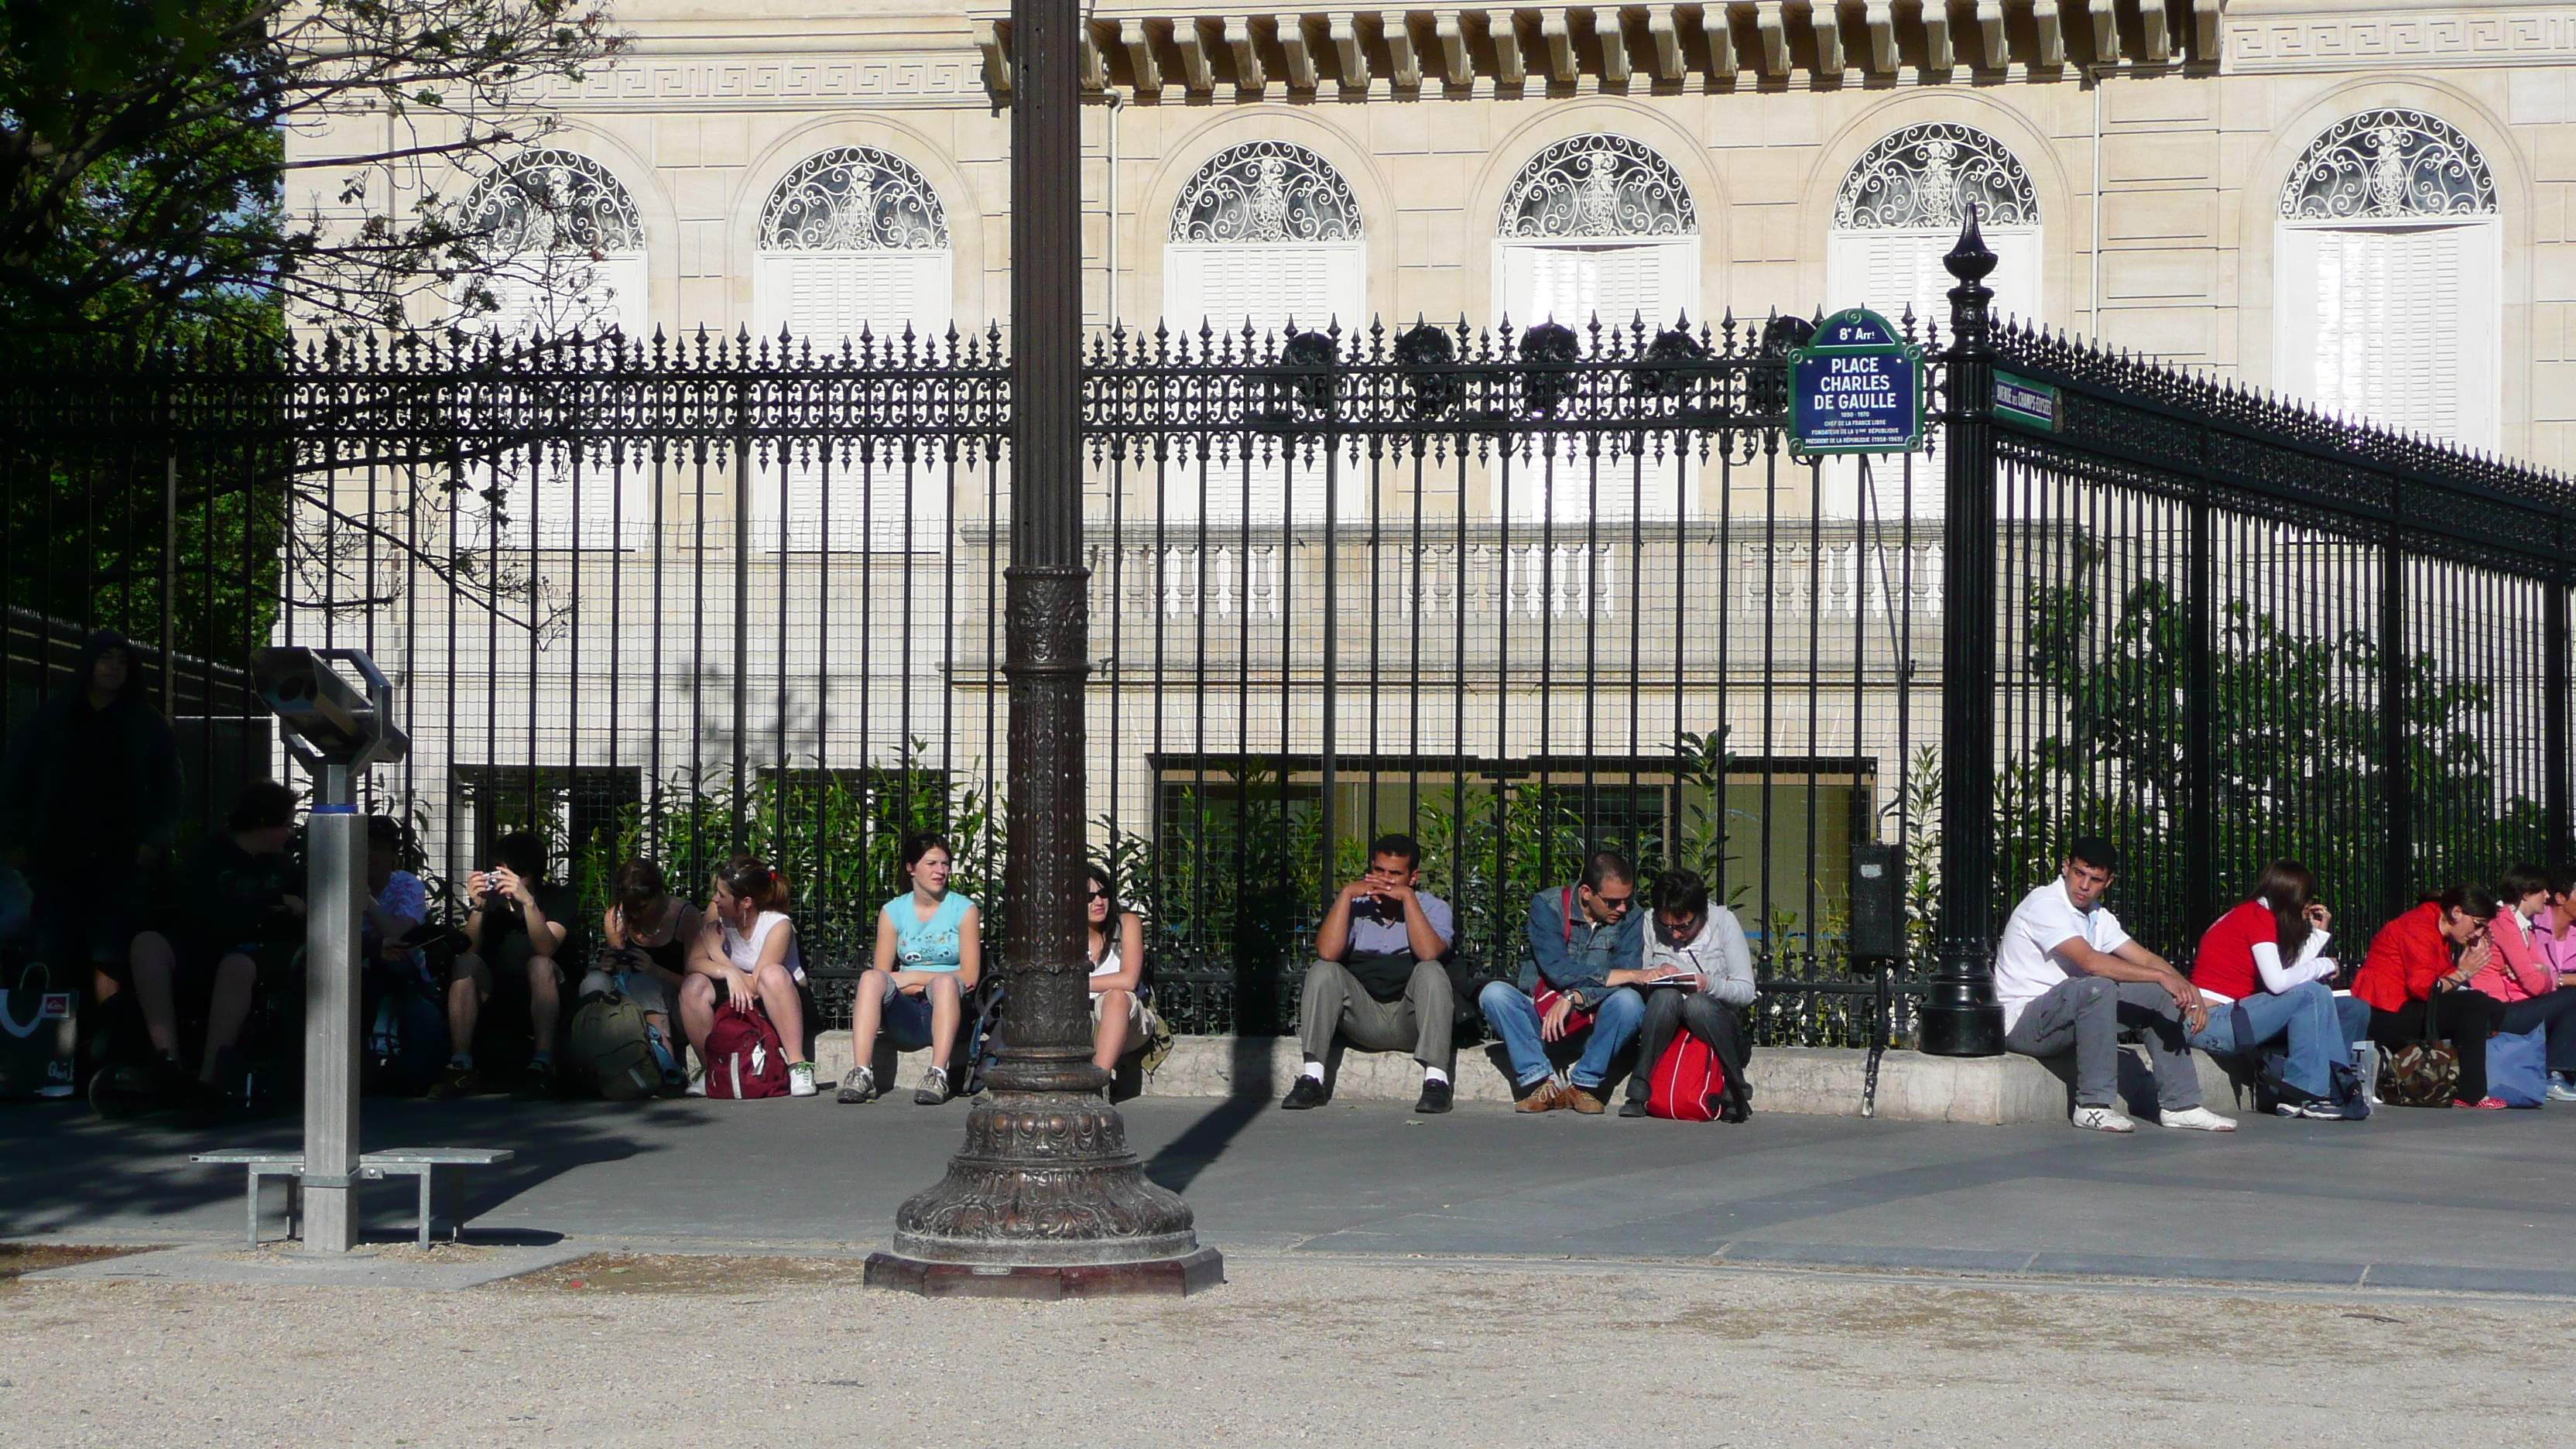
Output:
x=1117 y=942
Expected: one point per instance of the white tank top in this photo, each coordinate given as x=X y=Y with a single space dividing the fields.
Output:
x=744 y=951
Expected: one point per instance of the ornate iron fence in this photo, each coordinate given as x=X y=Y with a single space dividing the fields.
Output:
x=1516 y=593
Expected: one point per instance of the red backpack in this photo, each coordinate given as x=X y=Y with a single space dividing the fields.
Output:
x=1687 y=1081
x=745 y=1058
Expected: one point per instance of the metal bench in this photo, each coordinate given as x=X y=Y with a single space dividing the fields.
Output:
x=418 y=1163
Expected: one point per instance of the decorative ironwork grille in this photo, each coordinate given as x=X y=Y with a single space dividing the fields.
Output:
x=1925 y=176
x=552 y=202
x=1266 y=191
x=1598 y=187
x=856 y=199
x=2386 y=165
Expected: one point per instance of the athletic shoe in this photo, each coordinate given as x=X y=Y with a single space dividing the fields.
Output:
x=800 y=1079
x=2102 y=1119
x=1303 y=1094
x=1434 y=1099
x=933 y=1089
x=2315 y=1109
x=697 y=1083
x=537 y=1085
x=2561 y=1092
x=1582 y=1100
x=457 y=1081
x=2196 y=1119
x=859 y=1086
x=2482 y=1104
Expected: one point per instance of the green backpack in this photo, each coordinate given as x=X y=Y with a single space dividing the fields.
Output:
x=608 y=1041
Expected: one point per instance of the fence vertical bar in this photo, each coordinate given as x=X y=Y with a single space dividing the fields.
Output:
x=2397 y=870
x=2553 y=709
x=1959 y=1017
x=2199 y=824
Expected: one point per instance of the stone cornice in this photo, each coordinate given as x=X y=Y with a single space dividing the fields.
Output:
x=1738 y=44
x=2314 y=39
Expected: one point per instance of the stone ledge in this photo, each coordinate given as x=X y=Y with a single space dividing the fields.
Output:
x=1824 y=1081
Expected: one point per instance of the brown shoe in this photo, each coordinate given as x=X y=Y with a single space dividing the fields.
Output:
x=1582 y=1100
x=1547 y=1096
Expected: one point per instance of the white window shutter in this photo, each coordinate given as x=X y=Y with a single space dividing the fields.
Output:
x=2394 y=326
x=555 y=297
x=1574 y=284
x=1224 y=286
x=828 y=300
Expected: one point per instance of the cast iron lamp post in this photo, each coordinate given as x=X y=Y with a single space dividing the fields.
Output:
x=1046 y=1200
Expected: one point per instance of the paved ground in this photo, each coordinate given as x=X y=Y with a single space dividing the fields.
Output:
x=2451 y=1201
x=1302 y=1349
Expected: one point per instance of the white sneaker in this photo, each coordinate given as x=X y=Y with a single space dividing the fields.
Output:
x=2102 y=1119
x=2196 y=1119
x=800 y=1079
x=698 y=1082
x=2562 y=1092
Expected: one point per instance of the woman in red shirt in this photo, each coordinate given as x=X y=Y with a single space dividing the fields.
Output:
x=2419 y=966
x=2267 y=957
x=2523 y=972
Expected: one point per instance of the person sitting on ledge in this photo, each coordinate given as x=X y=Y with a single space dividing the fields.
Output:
x=1377 y=979
x=2416 y=979
x=1699 y=975
x=517 y=923
x=746 y=951
x=2068 y=976
x=930 y=953
x=2525 y=979
x=2262 y=970
x=1586 y=946
x=1116 y=941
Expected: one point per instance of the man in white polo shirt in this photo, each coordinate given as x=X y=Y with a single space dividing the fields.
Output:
x=2068 y=976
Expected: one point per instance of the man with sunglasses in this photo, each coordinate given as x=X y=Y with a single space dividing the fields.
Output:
x=1587 y=943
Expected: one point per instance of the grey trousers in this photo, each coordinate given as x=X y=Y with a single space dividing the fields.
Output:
x=2086 y=1013
x=1334 y=1001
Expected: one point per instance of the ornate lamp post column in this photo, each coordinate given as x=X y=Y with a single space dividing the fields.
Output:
x=1045 y=1201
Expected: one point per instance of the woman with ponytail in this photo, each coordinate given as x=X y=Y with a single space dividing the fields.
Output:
x=746 y=952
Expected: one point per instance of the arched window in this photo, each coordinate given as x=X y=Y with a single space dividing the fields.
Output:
x=1898 y=213
x=566 y=244
x=1597 y=227
x=566 y=250
x=1266 y=233
x=2385 y=302
x=853 y=243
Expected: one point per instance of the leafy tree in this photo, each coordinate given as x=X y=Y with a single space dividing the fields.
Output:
x=2294 y=765
x=143 y=158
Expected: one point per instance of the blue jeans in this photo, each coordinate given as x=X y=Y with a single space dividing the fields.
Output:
x=2306 y=1014
x=1515 y=1019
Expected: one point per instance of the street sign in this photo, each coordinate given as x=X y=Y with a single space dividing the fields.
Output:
x=2028 y=404
x=1856 y=387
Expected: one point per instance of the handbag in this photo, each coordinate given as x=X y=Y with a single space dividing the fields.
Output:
x=2421 y=1073
x=2518 y=1067
x=1544 y=997
x=39 y=1036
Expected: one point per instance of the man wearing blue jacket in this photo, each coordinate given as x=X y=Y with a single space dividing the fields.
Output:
x=1587 y=944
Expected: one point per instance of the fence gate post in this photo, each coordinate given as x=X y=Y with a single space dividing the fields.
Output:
x=2553 y=709
x=1959 y=1017
x=2397 y=868
x=2200 y=892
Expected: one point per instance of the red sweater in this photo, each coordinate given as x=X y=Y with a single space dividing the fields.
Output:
x=2407 y=955
x=2225 y=964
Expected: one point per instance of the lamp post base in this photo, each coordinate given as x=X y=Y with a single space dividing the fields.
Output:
x=1959 y=1031
x=1046 y=1201
x=1157 y=1278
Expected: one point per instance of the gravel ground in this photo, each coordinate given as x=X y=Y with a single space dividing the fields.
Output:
x=638 y=1350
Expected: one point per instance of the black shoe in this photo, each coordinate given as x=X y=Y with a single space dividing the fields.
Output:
x=1434 y=1100
x=1632 y=1108
x=457 y=1081
x=537 y=1085
x=124 y=1091
x=1735 y=1104
x=1304 y=1093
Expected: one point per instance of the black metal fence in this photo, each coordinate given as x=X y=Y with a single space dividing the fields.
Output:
x=1517 y=593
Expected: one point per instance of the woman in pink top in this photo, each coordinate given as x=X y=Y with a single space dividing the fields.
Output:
x=2522 y=974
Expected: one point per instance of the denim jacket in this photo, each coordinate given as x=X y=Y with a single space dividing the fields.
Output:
x=1578 y=962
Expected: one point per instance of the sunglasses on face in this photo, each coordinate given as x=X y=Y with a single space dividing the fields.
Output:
x=1617 y=903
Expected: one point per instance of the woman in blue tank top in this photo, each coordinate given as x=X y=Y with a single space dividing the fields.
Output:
x=930 y=951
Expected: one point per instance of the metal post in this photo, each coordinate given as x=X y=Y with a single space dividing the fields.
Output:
x=1046 y=1200
x=336 y=863
x=2200 y=893
x=2553 y=709
x=1959 y=1017
x=2397 y=886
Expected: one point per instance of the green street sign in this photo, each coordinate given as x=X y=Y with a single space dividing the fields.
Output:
x=2028 y=404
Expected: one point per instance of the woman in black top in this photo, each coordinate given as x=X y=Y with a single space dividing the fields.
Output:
x=648 y=931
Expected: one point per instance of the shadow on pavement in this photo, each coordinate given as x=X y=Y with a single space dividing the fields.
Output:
x=1205 y=1140
x=71 y=1172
